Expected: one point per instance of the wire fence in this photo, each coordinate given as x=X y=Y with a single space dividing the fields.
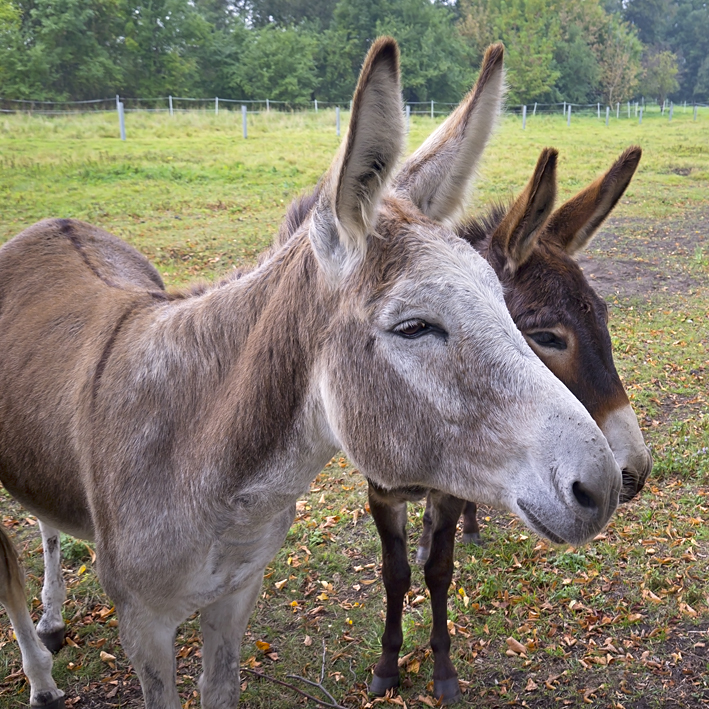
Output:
x=636 y=110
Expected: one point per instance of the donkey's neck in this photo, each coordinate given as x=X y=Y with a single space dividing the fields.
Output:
x=237 y=364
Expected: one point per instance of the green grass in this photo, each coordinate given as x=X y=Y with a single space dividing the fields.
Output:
x=198 y=199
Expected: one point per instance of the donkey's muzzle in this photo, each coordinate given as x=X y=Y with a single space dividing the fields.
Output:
x=634 y=479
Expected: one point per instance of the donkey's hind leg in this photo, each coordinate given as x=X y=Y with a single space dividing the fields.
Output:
x=51 y=626
x=424 y=547
x=471 y=530
x=36 y=659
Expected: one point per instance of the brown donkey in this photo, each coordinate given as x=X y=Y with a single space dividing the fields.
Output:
x=179 y=431
x=565 y=322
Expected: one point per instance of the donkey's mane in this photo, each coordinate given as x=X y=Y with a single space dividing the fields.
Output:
x=296 y=214
x=478 y=230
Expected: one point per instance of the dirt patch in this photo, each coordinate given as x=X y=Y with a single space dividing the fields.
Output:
x=644 y=258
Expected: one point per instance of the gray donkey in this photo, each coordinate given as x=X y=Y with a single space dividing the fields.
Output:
x=178 y=431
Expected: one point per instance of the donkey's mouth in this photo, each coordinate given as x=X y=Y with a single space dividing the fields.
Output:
x=538 y=525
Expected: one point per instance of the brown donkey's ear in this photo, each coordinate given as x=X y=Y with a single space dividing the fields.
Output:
x=357 y=178
x=516 y=236
x=436 y=178
x=573 y=225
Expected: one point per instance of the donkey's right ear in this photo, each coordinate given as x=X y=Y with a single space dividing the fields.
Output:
x=437 y=177
x=516 y=236
x=354 y=184
x=573 y=225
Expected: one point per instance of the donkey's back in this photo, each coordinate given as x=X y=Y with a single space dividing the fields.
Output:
x=69 y=286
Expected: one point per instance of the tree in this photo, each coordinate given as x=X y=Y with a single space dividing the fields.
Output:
x=659 y=74
x=579 y=71
x=277 y=63
x=701 y=86
x=61 y=49
x=649 y=18
x=619 y=61
x=530 y=31
x=162 y=38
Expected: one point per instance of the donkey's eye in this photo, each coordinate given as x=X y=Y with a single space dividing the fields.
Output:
x=416 y=328
x=548 y=339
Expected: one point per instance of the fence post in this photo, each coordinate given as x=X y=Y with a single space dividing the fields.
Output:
x=636 y=109
x=169 y=100
x=534 y=112
x=672 y=109
x=564 y=111
x=684 y=110
x=408 y=116
x=316 y=105
x=243 y=120
x=628 y=109
x=608 y=111
x=431 y=110
x=640 y=120
x=122 y=120
x=524 y=117
x=268 y=107
x=568 y=116
x=617 y=110
x=216 y=105
x=662 y=111
x=337 y=120
x=118 y=101
x=695 y=111
x=599 y=110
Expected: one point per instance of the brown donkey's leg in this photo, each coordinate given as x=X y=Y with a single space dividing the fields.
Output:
x=36 y=659
x=390 y=517
x=445 y=511
x=424 y=547
x=471 y=531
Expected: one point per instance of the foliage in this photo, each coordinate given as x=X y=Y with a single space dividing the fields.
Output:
x=620 y=61
x=659 y=75
x=296 y=50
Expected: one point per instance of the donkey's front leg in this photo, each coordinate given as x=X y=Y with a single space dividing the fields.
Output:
x=148 y=638
x=51 y=626
x=223 y=626
x=445 y=511
x=390 y=517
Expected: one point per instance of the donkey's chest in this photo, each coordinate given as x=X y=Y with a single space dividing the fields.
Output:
x=237 y=557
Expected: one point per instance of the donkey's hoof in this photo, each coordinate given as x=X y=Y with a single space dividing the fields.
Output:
x=44 y=701
x=379 y=685
x=53 y=641
x=422 y=554
x=447 y=691
x=472 y=538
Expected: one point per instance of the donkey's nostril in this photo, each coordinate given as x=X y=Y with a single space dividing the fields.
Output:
x=582 y=497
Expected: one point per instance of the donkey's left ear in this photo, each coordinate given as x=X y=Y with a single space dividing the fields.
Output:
x=358 y=177
x=573 y=225
x=517 y=234
x=436 y=178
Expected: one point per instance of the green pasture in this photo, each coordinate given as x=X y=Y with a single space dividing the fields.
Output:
x=620 y=623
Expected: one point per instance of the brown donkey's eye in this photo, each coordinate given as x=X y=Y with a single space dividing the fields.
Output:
x=548 y=339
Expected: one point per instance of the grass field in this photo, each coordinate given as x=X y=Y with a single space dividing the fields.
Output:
x=620 y=623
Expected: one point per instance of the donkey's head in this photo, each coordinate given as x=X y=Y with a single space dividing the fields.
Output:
x=423 y=377
x=560 y=315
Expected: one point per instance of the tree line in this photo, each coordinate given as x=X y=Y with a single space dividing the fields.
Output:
x=581 y=51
